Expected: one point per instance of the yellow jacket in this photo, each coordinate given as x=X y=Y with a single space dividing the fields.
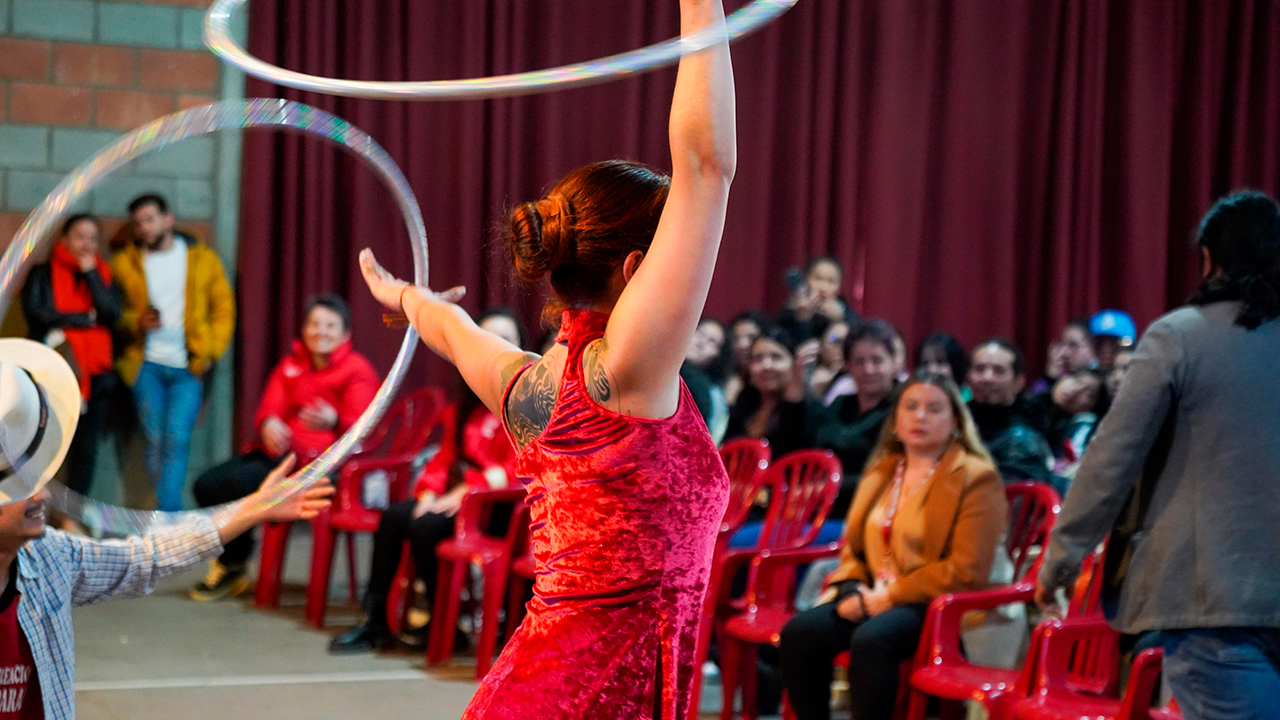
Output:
x=210 y=315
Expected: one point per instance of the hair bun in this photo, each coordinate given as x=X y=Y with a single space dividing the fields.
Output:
x=557 y=229
x=524 y=240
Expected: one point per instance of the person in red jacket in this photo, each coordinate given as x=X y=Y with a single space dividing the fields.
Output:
x=474 y=454
x=312 y=397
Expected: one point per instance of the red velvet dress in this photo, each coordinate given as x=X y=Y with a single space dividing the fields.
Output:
x=625 y=512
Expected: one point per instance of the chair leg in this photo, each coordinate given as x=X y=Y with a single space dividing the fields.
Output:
x=917 y=705
x=730 y=665
x=398 y=598
x=321 y=573
x=275 y=543
x=444 y=615
x=700 y=652
x=951 y=710
x=787 y=712
x=748 y=677
x=515 y=605
x=495 y=585
x=351 y=567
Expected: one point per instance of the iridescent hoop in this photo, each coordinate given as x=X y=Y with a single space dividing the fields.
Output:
x=230 y=114
x=217 y=37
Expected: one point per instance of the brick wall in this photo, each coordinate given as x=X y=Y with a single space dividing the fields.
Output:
x=75 y=75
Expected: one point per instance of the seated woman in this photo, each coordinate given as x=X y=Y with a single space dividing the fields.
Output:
x=474 y=454
x=772 y=406
x=312 y=397
x=743 y=331
x=927 y=520
x=850 y=426
x=942 y=354
x=830 y=378
x=71 y=303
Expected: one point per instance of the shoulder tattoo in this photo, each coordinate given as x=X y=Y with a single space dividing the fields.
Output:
x=599 y=384
x=530 y=404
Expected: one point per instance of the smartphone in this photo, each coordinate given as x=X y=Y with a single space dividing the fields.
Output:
x=795 y=279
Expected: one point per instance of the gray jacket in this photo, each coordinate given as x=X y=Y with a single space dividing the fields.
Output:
x=1185 y=468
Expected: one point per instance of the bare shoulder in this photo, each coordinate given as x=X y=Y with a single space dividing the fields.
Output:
x=600 y=383
x=533 y=396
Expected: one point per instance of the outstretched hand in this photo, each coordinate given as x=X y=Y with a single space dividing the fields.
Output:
x=391 y=291
x=297 y=505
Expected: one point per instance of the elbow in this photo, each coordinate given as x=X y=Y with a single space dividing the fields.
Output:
x=713 y=164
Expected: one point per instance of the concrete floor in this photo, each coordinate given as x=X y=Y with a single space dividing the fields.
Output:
x=164 y=656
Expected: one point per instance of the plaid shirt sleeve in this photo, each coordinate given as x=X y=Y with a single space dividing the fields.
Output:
x=102 y=570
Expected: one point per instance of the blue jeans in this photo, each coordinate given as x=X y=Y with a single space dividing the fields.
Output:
x=1224 y=673
x=748 y=536
x=168 y=403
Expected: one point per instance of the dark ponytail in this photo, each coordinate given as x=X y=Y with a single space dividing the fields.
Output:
x=1242 y=234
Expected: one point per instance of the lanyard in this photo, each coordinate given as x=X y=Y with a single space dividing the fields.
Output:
x=891 y=512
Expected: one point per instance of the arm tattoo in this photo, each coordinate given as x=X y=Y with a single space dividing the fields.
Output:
x=516 y=366
x=530 y=404
x=599 y=386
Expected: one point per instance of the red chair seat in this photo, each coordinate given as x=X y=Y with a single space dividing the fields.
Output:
x=1057 y=707
x=762 y=627
x=970 y=682
x=478 y=550
x=524 y=567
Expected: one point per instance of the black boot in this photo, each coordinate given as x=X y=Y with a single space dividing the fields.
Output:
x=370 y=635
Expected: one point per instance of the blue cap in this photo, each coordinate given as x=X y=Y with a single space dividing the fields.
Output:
x=1114 y=323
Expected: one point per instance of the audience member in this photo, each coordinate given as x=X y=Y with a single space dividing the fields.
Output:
x=1113 y=331
x=474 y=454
x=772 y=406
x=743 y=331
x=927 y=520
x=72 y=301
x=850 y=426
x=1119 y=368
x=942 y=354
x=997 y=375
x=178 y=318
x=1072 y=351
x=815 y=303
x=831 y=378
x=707 y=368
x=311 y=398
x=1080 y=400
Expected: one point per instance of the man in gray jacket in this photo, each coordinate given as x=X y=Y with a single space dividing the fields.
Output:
x=1184 y=474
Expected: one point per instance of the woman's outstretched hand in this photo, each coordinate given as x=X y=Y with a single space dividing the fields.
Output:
x=390 y=290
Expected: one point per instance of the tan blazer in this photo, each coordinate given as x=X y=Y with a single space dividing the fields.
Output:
x=967 y=516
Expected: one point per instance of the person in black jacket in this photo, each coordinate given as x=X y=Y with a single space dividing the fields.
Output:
x=71 y=303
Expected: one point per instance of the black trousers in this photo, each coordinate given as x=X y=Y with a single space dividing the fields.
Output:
x=424 y=534
x=234 y=479
x=877 y=647
x=82 y=454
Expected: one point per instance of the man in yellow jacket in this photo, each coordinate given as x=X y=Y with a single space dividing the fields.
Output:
x=178 y=317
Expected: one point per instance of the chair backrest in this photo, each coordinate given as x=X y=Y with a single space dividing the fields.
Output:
x=1078 y=654
x=1033 y=509
x=420 y=411
x=806 y=483
x=746 y=460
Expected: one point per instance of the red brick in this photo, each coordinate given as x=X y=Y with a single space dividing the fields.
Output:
x=50 y=104
x=186 y=3
x=186 y=102
x=124 y=110
x=4 y=102
x=24 y=59
x=94 y=65
x=177 y=70
x=9 y=224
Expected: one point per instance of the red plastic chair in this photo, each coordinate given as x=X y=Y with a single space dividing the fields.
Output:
x=417 y=417
x=379 y=442
x=746 y=460
x=805 y=484
x=471 y=545
x=523 y=572
x=1078 y=653
x=1033 y=509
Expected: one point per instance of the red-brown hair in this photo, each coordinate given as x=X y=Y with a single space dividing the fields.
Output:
x=585 y=226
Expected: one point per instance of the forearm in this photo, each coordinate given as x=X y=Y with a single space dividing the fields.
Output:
x=441 y=325
x=703 y=114
x=106 y=299
x=240 y=517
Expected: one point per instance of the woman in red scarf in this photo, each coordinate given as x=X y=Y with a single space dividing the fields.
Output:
x=71 y=300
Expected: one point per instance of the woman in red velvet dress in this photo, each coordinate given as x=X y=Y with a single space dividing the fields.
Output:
x=625 y=486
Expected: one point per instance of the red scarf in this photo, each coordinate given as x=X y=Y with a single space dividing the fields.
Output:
x=91 y=346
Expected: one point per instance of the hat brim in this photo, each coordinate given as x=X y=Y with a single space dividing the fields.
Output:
x=62 y=391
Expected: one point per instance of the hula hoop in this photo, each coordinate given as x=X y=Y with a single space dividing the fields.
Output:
x=230 y=114
x=217 y=37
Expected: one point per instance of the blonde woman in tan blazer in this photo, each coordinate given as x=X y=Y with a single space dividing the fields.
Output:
x=927 y=520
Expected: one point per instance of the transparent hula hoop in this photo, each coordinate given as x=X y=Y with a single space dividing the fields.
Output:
x=217 y=37
x=37 y=231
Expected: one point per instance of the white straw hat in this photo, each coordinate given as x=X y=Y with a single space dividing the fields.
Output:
x=39 y=409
